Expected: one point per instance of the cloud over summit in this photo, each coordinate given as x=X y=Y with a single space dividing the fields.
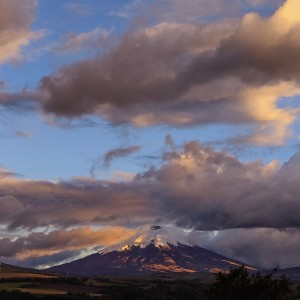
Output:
x=182 y=191
x=196 y=187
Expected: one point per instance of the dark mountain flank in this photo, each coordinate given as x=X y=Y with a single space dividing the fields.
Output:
x=152 y=250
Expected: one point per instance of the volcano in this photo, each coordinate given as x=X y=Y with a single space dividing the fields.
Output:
x=152 y=250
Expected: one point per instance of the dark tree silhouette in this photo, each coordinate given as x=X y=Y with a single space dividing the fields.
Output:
x=239 y=284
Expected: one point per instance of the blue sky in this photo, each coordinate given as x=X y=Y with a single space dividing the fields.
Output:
x=135 y=104
x=56 y=21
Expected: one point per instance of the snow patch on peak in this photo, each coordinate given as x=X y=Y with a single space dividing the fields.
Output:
x=151 y=235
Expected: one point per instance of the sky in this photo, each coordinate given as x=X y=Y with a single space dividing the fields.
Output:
x=117 y=114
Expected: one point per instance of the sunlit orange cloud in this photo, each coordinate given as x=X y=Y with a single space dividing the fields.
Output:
x=274 y=122
x=44 y=244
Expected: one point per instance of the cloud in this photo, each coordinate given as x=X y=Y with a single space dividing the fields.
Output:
x=273 y=124
x=126 y=11
x=119 y=152
x=15 y=31
x=185 y=74
x=43 y=244
x=23 y=100
x=111 y=155
x=257 y=60
x=247 y=194
x=245 y=209
x=263 y=247
x=23 y=134
x=6 y=173
x=202 y=10
x=32 y=204
x=122 y=176
x=44 y=249
x=182 y=192
x=169 y=140
x=179 y=73
x=86 y=40
x=79 y=9
x=140 y=71
x=193 y=10
x=46 y=261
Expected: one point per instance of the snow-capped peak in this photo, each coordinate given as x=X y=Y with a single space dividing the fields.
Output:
x=155 y=235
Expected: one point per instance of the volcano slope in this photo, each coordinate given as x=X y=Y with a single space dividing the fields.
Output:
x=152 y=251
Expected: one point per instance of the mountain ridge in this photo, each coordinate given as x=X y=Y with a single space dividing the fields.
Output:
x=151 y=250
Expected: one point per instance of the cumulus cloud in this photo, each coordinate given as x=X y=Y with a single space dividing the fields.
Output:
x=208 y=190
x=139 y=71
x=186 y=74
x=15 y=31
x=257 y=59
x=195 y=188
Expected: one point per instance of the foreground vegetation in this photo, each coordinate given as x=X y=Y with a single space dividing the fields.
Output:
x=240 y=284
x=235 y=285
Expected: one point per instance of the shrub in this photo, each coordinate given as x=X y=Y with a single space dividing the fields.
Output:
x=239 y=284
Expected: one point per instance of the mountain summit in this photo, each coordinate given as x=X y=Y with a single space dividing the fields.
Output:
x=149 y=235
x=152 y=250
